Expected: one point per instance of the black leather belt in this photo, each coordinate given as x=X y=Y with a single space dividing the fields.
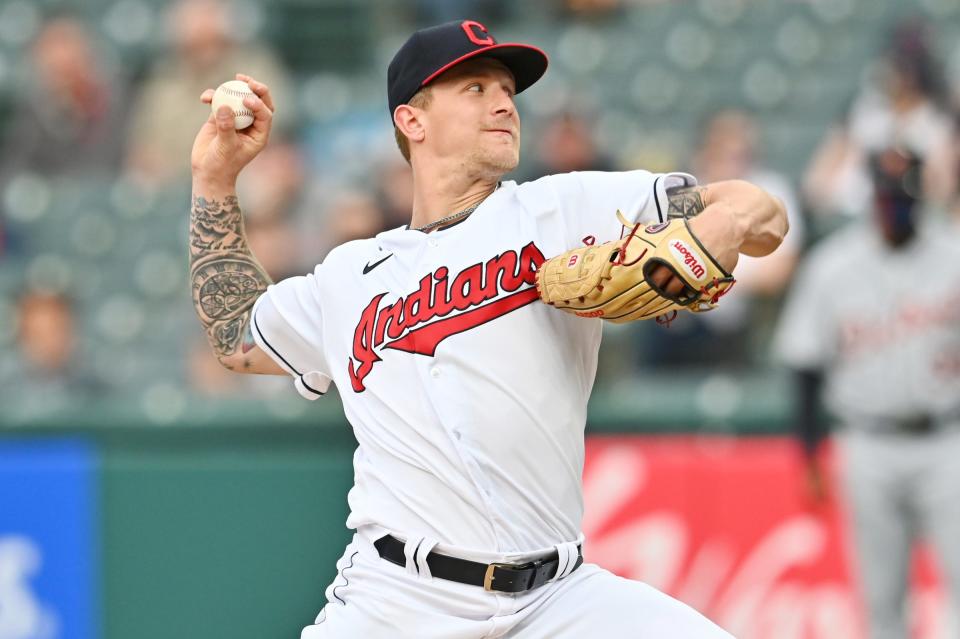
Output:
x=493 y=577
x=919 y=424
x=915 y=425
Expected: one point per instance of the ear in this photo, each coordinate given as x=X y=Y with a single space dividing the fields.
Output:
x=409 y=120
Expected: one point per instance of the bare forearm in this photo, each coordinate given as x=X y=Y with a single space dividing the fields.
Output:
x=225 y=277
x=759 y=219
x=762 y=216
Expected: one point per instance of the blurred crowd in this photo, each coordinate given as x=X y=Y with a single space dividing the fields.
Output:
x=94 y=177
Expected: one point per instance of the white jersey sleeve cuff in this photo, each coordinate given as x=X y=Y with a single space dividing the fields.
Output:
x=310 y=384
x=660 y=200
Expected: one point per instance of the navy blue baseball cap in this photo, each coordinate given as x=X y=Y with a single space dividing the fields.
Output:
x=431 y=51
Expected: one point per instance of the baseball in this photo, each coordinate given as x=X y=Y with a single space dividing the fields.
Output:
x=232 y=94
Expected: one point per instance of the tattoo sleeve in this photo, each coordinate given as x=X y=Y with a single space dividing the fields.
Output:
x=685 y=201
x=225 y=277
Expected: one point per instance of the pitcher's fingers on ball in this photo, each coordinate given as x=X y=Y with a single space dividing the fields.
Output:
x=261 y=113
x=675 y=286
x=224 y=117
x=666 y=280
x=207 y=96
x=660 y=275
x=262 y=90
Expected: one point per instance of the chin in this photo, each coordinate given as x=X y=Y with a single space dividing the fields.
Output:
x=496 y=162
x=506 y=159
x=509 y=164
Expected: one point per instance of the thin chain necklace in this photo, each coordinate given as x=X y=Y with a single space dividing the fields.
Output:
x=450 y=218
x=453 y=218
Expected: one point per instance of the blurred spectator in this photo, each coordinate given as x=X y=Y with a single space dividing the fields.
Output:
x=728 y=150
x=70 y=117
x=270 y=195
x=203 y=54
x=353 y=215
x=276 y=243
x=902 y=107
x=953 y=209
x=277 y=184
x=205 y=377
x=45 y=375
x=587 y=8
x=566 y=145
x=437 y=11
x=874 y=318
x=953 y=75
x=394 y=191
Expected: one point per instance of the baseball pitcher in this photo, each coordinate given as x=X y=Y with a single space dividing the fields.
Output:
x=464 y=346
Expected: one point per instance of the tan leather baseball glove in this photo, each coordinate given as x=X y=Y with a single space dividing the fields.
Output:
x=612 y=280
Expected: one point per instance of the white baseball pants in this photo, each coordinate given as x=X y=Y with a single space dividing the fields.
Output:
x=372 y=598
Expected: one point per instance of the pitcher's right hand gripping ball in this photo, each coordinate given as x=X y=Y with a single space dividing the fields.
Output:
x=613 y=280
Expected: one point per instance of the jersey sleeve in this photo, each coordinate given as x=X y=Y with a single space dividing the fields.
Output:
x=587 y=201
x=287 y=324
x=805 y=337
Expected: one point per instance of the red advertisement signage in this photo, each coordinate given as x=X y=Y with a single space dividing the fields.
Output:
x=725 y=525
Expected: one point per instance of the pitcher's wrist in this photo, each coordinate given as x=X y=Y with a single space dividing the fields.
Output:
x=213 y=187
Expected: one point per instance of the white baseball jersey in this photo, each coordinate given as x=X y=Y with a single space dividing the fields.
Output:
x=884 y=324
x=467 y=395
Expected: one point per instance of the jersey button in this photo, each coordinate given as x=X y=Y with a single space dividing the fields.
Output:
x=433 y=243
x=434 y=372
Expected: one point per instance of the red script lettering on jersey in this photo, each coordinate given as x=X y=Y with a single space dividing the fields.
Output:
x=406 y=324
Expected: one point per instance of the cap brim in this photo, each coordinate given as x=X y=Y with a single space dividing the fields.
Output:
x=526 y=62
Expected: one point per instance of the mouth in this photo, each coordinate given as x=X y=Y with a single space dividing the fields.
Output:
x=505 y=131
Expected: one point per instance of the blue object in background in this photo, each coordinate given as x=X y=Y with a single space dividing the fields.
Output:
x=49 y=586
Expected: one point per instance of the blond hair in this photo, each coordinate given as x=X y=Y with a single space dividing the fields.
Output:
x=420 y=100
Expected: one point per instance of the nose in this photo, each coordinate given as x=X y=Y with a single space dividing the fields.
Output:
x=504 y=105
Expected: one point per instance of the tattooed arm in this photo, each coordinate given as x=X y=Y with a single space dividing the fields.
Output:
x=224 y=275
x=757 y=220
x=225 y=281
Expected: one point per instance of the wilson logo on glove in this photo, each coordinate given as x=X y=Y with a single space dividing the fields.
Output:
x=689 y=259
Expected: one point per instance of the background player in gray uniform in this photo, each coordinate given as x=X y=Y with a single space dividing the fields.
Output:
x=874 y=319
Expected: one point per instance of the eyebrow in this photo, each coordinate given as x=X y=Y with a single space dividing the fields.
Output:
x=485 y=73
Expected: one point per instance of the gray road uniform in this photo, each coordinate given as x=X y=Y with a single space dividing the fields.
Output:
x=883 y=326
